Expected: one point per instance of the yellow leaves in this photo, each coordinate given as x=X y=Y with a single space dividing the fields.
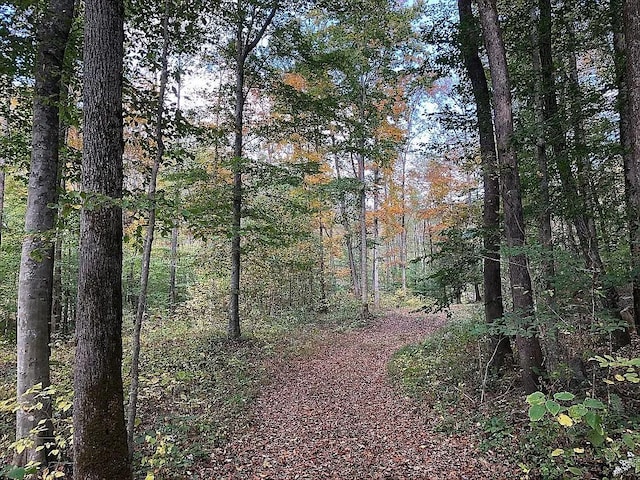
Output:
x=557 y=452
x=295 y=81
x=386 y=131
x=565 y=420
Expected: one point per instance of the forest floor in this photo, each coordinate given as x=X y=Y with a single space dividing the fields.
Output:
x=333 y=414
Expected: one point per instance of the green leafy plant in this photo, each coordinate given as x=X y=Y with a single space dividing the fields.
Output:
x=584 y=431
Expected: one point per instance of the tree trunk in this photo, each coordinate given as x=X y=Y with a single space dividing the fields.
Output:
x=36 y=264
x=323 y=281
x=632 y=40
x=376 y=236
x=234 y=303
x=148 y=239
x=529 y=351
x=100 y=437
x=362 y=220
x=173 y=271
x=175 y=229
x=544 y=202
x=493 y=307
x=348 y=236
x=2 y=180
x=244 y=47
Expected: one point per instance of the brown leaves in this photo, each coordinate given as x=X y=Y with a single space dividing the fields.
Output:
x=335 y=416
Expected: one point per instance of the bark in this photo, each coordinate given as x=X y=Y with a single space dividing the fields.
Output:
x=244 y=47
x=544 y=203
x=529 y=352
x=632 y=41
x=2 y=181
x=36 y=263
x=100 y=437
x=493 y=307
x=148 y=239
x=376 y=237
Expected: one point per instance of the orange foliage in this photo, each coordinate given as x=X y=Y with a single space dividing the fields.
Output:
x=295 y=81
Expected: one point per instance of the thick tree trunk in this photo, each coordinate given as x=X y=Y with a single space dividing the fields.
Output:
x=100 y=437
x=493 y=307
x=529 y=351
x=36 y=264
x=148 y=239
x=632 y=40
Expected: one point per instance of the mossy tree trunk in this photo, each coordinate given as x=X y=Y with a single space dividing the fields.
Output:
x=100 y=437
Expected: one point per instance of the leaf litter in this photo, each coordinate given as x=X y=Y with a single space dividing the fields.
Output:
x=334 y=415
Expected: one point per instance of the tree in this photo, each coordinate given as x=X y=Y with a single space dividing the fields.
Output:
x=245 y=42
x=36 y=265
x=529 y=351
x=141 y=307
x=100 y=439
x=632 y=41
x=493 y=307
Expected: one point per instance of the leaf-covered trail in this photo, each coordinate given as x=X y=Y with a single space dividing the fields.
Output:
x=334 y=415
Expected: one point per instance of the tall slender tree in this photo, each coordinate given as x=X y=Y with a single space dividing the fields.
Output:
x=100 y=438
x=246 y=40
x=529 y=351
x=36 y=264
x=150 y=231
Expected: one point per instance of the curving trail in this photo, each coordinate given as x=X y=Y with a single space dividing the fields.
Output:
x=334 y=415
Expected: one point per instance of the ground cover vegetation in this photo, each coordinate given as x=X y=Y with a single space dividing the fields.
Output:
x=194 y=193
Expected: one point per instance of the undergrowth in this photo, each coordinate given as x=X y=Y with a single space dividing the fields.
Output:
x=195 y=385
x=592 y=433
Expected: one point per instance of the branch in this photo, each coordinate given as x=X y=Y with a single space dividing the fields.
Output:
x=250 y=46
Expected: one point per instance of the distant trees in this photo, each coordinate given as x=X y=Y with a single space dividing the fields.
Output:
x=100 y=439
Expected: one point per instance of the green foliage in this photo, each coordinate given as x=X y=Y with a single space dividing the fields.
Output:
x=570 y=436
x=439 y=371
x=454 y=265
x=60 y=398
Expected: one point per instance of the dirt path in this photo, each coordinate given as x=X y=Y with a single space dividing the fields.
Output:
x=335 y=416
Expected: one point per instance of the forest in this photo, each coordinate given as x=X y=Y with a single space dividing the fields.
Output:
x=319 y=239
